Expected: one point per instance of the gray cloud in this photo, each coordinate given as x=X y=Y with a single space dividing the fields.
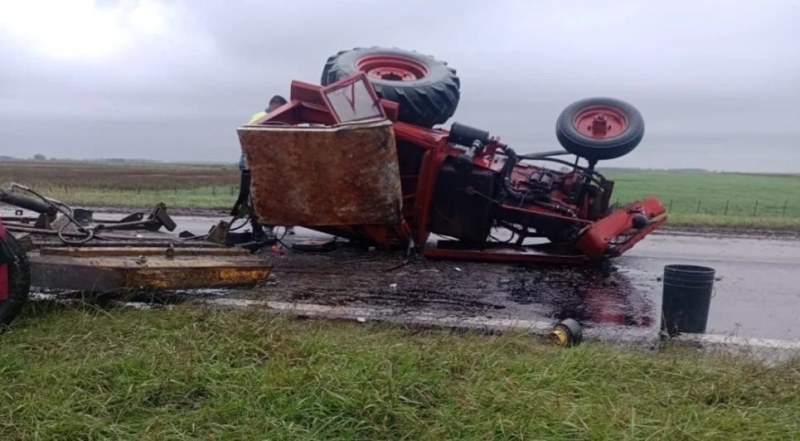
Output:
x=718 y=76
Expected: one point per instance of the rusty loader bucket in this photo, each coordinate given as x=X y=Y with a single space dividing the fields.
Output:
x=314 y=176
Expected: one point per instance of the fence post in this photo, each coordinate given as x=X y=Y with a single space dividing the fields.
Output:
x=670 y=206
x=785 y=204
x=698 y=205
x=727 y=203
x=755 y=209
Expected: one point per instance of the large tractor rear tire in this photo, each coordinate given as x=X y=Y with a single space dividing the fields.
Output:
x=17 y=280
x=427 y=90
x=599 y=129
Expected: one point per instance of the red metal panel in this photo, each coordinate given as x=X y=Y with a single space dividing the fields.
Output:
x=598 y=239
x=324 y=176
x=503 y=255
x=5 y=282
x=349 y=86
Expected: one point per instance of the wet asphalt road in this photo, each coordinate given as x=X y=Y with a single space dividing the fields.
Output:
x=757 y=296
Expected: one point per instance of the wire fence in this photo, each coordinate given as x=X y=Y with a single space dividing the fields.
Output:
x=730 y=207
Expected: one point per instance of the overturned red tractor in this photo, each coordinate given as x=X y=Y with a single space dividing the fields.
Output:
x=359 y=158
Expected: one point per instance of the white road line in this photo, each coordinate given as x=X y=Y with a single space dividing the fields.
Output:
x=442 y=320
x=539 y=327
x=729 y=340
x=386 y=314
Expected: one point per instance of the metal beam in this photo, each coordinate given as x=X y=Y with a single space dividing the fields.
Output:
x=108 y=269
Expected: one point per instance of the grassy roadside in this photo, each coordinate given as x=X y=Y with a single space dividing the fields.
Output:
x=194 y=373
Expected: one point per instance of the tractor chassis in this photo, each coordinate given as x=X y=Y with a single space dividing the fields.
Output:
x=426 y=158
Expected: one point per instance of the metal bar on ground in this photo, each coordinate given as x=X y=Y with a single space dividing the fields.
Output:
x=87 y=269
x=141 y=251
x=134 y=244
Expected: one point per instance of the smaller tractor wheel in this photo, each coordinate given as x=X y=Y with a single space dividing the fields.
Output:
x=18 y=279
x=598 y=129
x=427 y=90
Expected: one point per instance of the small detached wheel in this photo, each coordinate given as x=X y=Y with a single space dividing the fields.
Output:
x=598 y=129
x=17 y=279
x=427 y=90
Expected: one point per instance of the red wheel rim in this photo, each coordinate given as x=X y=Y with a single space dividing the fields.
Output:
x=600 y=122
x=392 y=68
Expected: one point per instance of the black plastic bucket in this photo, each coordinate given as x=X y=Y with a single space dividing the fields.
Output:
x=686 y=298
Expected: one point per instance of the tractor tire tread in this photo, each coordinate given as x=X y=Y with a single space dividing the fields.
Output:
x=594 y=149
x=19 y=276
x=425 y=102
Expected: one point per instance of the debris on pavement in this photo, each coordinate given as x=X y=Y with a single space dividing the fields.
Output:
x=68 y=248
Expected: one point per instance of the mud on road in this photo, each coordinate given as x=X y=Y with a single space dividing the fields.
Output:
x=600 y=297
x=379 y=279
x=755 y=295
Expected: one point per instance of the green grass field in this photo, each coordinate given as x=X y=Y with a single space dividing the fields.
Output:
x=693 y=198
x=192 y=373
x=716 y=199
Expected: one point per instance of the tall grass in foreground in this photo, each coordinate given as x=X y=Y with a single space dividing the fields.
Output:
x=203 y=374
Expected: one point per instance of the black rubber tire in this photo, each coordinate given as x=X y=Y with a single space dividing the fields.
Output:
x=603 y=149
x=19 y=276
x=425 y=102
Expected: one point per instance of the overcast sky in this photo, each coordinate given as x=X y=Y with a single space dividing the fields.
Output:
x=718 y=82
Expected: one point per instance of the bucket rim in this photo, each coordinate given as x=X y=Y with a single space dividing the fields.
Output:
x=687 y=268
